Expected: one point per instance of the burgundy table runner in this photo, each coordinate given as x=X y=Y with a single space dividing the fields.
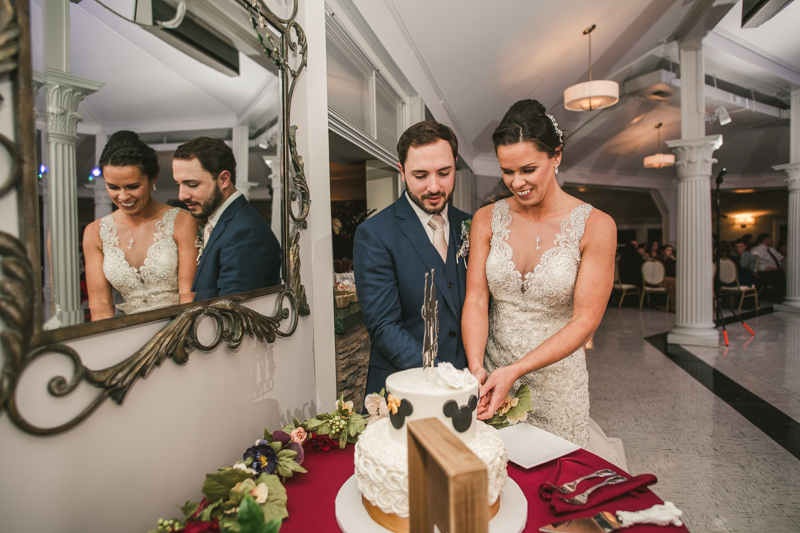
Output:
x=312 y=496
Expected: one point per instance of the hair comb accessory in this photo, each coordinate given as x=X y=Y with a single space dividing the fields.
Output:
x=558 y=130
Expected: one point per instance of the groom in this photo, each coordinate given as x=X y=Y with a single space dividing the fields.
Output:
x=395 y=248
x=240 y=253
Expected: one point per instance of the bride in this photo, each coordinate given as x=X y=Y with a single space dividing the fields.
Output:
x=541 y=269
x=145 y=249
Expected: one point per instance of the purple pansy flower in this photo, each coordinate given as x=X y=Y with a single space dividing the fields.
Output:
x=264 y=457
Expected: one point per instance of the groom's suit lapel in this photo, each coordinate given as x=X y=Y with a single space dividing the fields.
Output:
x=413 y=230
x=227 y=215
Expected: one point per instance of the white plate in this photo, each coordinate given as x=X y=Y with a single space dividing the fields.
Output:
x=529 y=446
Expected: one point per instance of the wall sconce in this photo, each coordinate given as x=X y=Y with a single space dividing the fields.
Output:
x=744 y=220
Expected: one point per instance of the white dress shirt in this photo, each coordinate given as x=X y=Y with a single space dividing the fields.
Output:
x=217 y=214
x=767 y=261
x=426 y=217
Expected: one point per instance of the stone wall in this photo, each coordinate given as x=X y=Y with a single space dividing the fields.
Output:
x=352 y=363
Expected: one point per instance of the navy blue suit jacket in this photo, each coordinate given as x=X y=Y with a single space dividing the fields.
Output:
x=241 y=255
x=391 y=255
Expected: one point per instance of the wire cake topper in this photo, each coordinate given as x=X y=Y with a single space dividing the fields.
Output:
x=430 y=314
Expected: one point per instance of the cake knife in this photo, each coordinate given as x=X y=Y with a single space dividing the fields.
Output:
x=605 y=522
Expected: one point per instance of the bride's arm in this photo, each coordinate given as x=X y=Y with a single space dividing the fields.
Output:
x=475 y=313
x=101 y=302
x=185 y=235
x=592 y=290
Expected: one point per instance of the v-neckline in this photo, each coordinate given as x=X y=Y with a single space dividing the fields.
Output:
x=138 y=271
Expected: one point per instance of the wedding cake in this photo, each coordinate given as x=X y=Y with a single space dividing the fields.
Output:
x=381 y=456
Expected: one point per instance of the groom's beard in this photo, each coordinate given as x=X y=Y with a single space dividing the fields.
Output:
x=209 y=206
x=419 y=200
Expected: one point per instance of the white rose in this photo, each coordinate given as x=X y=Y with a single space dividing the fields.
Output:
x=376 y=407
x=452 y=378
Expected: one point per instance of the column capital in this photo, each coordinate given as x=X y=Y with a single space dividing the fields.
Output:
x=793 y=170
x=64 y=91
x=693 y=156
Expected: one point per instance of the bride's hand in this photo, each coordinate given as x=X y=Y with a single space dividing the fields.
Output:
x=494 y=391
x=479 y=373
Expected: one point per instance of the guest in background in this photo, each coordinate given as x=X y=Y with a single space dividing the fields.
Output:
x=770 y=270
x=642 y=250
x=667 y=258
x=782 y=249
x=724 y=250
x=748 y=240
x=653 y=249
x=630 y=264
x=745 y=263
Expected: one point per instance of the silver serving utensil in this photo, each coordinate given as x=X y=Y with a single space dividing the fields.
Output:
x=569 y=488
x=582 y=498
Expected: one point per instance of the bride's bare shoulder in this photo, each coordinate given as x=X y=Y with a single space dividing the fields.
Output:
x=600 y=225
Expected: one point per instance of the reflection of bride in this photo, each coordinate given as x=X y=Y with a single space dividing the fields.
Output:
x=540 y=273
x=149 y=272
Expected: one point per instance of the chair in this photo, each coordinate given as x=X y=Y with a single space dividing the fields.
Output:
x=626 y=288
x=729 y=277
x=652 y=281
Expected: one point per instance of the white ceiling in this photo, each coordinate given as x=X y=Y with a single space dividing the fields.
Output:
x=486 y=55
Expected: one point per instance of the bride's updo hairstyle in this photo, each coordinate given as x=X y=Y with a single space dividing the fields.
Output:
x=527 y=121
x=125 y=149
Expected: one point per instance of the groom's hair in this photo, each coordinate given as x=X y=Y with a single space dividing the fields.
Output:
x=214 y=155
x=422 y=134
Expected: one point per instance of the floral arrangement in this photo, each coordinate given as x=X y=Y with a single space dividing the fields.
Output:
x=464 y=250
x=249 y=497
x=513 y=410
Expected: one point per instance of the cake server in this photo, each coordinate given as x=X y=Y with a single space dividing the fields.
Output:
x=605 y=522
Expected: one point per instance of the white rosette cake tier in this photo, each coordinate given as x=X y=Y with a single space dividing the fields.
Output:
x=381 y=456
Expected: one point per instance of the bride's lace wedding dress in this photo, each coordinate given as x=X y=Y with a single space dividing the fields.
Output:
x=532 y=296
x=147 y=277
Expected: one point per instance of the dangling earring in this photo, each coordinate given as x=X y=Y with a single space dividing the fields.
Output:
x=154 y=185
x=556 y=175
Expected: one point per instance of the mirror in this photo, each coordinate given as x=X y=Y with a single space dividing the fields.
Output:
x=170 y=75
x=169 y=71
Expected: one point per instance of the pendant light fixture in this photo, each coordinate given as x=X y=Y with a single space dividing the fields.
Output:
x=593 y=94
x=659 y=160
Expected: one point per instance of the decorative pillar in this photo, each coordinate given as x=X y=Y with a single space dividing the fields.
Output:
x=102 y=202
x=694 y=323
x=792 y=301
x=64 y=92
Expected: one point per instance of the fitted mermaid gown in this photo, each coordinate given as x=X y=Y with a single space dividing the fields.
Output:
x=526 y=309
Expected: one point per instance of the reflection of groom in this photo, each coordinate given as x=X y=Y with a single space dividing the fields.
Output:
x=396 y=247
x=240 y=253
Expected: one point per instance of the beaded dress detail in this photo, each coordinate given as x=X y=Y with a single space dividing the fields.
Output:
x=525 y=310
x=155 y=283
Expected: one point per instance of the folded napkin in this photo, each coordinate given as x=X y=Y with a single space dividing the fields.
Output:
x=569 y=469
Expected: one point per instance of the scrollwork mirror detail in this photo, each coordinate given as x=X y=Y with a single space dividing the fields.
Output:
x=18 y=287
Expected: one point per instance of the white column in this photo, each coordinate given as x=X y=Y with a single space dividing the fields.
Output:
x=694 y=323
x=102 y=202
x=64 y=92
x=792 y=301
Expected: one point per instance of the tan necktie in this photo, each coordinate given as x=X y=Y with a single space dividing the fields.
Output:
x=437 y=223
x=207 y=233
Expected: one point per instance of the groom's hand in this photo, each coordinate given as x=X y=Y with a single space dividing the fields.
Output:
x=494 y=391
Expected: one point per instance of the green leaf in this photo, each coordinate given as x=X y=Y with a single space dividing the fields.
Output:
x=218 y=486
x=251 y=517
x=189 y=508
x=313 y=423
x=356 y=425
x=267 y=435
x=343 y=440
x=498 y=421
x=287 y=454
x=275 y=506
x=229 y=524
x=273 y=526
x=524 y=403
x=297 y=423
x=276 y=446
x=207 y=513
x=289 y=428
x=324 y=416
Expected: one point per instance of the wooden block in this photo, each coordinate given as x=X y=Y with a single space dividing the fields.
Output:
x=447 y=483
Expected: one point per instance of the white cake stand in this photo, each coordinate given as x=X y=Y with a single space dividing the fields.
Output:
x=352 y=517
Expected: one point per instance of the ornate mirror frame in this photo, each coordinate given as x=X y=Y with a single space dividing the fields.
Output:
x=23 y=338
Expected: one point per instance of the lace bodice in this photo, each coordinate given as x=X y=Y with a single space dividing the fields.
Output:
x=526 y=310
x=155 y=283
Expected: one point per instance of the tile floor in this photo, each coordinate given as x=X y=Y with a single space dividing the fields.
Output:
x=726 y=474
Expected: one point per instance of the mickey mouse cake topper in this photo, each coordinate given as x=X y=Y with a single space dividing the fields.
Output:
x=430 y=314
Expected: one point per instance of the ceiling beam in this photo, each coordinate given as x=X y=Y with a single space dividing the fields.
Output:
x=701 y=19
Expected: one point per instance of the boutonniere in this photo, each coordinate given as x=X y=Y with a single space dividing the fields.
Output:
x=198 y=242
x=464 y=250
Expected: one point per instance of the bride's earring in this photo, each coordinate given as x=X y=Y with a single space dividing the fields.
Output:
x=154 y=185
x=556 y=175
